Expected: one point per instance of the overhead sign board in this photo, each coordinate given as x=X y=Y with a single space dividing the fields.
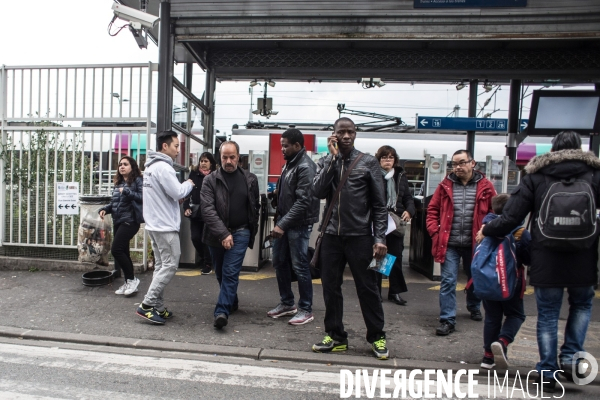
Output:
x=469 y=3
x=466 y=124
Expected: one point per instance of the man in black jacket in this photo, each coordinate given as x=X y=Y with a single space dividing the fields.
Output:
x=230 y=204
x=297 y=211
x=551 y=270
x=355 y=235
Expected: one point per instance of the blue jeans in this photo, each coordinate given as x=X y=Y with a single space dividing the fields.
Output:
x=549 y=302
x=228 y=264
x=450 y=278
x=291 y=251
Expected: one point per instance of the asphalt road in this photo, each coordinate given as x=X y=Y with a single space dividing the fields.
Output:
x=54 y=370
x=47 y=371
x=58 y=303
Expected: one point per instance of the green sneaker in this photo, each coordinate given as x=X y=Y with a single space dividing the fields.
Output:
x=380 y=350
x=166 y=314
x=328 y=345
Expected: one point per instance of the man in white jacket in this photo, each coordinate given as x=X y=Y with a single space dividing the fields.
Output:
x=162 y=192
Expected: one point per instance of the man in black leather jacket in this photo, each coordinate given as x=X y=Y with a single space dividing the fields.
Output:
x=297 y=211
x=355 y=235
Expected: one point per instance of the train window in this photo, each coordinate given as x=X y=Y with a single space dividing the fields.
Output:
x=415 y=173
x=414 y=169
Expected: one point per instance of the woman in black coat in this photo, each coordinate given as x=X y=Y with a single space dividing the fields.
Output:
x=126 y=209
x=400 y=202
x=191 y=206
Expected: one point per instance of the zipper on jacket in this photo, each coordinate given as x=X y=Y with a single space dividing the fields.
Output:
x=340 y=197
x=464 y=209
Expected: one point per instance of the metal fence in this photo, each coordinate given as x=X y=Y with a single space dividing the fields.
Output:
x=66 y=124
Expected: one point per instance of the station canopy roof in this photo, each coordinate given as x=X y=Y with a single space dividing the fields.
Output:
x=554 y=41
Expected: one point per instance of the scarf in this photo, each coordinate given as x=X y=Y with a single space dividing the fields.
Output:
x=203 y=172
x=391 y=188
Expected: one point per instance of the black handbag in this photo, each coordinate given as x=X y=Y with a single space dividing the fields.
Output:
x=314 y=262
x=138 y=209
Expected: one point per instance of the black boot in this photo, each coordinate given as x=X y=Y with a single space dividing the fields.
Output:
x=395 y=298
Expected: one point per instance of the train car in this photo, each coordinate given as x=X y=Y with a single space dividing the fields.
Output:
x=411 y=146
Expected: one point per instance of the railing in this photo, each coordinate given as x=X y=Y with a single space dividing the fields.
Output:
x=42 y=144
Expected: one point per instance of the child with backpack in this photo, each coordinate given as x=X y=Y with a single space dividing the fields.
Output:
x=497 y=335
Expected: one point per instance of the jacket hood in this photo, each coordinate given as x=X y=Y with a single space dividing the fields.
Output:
x=477 y=176
x=583 y=158
x=155 y=156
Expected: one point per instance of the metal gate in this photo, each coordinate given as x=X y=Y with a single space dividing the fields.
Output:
x=66 y=124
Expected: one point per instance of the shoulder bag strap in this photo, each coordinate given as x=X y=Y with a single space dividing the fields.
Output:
x=337 y=192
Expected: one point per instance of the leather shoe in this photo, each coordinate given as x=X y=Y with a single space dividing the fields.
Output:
x=395 y=298
x=476 y=315
x=220 y=321
x=444 y=329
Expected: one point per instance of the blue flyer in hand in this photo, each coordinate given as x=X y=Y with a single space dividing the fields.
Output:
x=386 y=264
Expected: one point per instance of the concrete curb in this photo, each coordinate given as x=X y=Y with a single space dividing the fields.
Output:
x=25 y=264
x=249 y=352
x=132 y=343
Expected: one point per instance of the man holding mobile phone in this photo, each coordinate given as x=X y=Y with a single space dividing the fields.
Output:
x=354 y=235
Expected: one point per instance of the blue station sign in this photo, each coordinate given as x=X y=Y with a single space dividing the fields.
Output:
x=469 y=3
x=466 y=124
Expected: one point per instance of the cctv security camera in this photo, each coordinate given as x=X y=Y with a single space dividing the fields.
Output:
x=137 y=18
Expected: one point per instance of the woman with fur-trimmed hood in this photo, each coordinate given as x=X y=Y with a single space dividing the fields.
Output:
x=551 y=270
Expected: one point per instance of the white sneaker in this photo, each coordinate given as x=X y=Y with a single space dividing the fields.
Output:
x=121 y=290
x=132 y=286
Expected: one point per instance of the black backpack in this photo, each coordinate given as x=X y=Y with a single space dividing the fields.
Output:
x=567 y=220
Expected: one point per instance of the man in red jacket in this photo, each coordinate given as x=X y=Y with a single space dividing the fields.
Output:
x=454 y=216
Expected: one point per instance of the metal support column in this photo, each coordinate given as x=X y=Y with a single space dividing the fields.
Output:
x=151 y=69
x=209 y=118
x=165 y=69
x=187 y=81
x=472 y=114
x=3 y=117
x=595 y=139
x=514 y=106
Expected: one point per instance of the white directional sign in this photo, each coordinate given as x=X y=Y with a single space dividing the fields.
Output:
x=67 y=194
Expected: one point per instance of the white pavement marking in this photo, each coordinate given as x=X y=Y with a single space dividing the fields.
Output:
x=168 y=368
x=218 y=372
x=28 y=390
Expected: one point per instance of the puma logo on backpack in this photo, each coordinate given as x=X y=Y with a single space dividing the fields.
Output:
x=567 y=219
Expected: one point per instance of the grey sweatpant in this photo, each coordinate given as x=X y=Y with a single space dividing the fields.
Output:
x=166 y=254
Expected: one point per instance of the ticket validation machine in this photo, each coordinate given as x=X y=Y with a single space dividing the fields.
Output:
x=420 y=258
x=255 y=257
x=503 y=173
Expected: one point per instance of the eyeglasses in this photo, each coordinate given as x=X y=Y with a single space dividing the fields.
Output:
x=460 y=163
